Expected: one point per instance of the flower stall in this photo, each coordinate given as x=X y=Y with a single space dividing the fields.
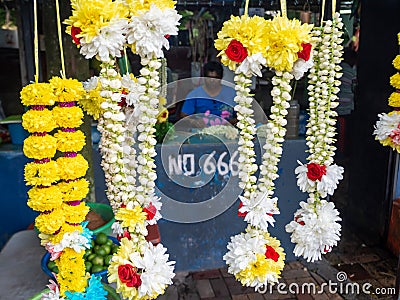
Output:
x=145 y=182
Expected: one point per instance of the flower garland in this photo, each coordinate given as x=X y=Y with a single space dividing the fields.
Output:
x=314 y=229
x=58 y=185
x=254 y=257
x=387 y=128
x=130 y=173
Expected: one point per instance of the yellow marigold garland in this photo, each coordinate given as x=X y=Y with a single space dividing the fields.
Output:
x=70 y=265
x=50 y=222
x=395 y=81
x=396 y=62
x=40 y=147
x=70 y=141
x=38 y=121
x=68 y=117
x=37 y=94
x=72 y=167
x=67 y=89
x=75 y=214
x=44 y=198
x=41 y=174
x=74 y=190
x=394 y=99
x=91 y=103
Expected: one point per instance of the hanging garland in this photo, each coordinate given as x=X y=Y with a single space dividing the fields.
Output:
x=387 y=128
x=253 y=257
x=140 y=270
x=315 y=228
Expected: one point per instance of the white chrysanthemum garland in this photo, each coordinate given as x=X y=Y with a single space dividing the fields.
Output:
x=315 y=229
x=387 y=128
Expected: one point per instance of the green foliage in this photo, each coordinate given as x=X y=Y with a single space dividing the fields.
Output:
x=162 y=129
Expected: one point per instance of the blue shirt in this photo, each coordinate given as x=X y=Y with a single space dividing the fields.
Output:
x=198 y=102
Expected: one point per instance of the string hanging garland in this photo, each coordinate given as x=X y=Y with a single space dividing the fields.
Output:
x=253 y=257
x=315 y=228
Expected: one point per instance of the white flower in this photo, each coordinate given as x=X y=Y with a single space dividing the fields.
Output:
x=147 y=31
x=259 y=210
x=330 y=180
x=242 y=250
x=385 y=125
x=252 y=65
x=54 y=293
x=108 y=43
x=91 y=83
x=157 y=270
x=315 y=229
x=117 y=228
x=300 y=67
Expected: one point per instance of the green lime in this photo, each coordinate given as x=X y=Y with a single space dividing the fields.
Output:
x=51 y=264
x=87 y=253
x=88 y=266
x=101 y=251
x=106 y=248
x=91 y=256
x=107 y=259
x=98 y=260
x=96 y=269
x=114 y=248
x=101 y=238
x=109 y=242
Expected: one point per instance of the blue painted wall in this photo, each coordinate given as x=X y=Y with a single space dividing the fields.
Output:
x=193 y=245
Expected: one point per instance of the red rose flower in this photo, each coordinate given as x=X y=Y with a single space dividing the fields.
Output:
x=272 y=254
x=240 y=214
x=74 y=32
x=296 y=219
x=150 y=211
x=315 y=171
x=306 y=52
x=128 y=275
x=236 y=51
x=125 y=234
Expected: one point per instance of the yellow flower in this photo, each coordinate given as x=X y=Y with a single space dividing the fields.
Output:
x=68 y=117
x=91 y=102
x=37 y=94
x=395 y=81
x=162 y=116
x=396 y=62
x=67 y=90
x=75 y=214
x=263 y=267
x=74 y=190
x=284 y=38
x=41 y=174
x=72 y=274
x=44 y=199
x=131 y=217
x=72 y=167
x=394 y=99
x=39 y=147
x=91 y=16
x=70 y=141
x=56 y=238
x=38 y=120
x=250 y=31
x=137 y=7
x=49 y=223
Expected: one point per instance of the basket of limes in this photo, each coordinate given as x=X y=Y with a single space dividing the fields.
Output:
x=97 y=258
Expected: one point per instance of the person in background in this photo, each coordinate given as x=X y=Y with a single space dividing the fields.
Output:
x=211 y=102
